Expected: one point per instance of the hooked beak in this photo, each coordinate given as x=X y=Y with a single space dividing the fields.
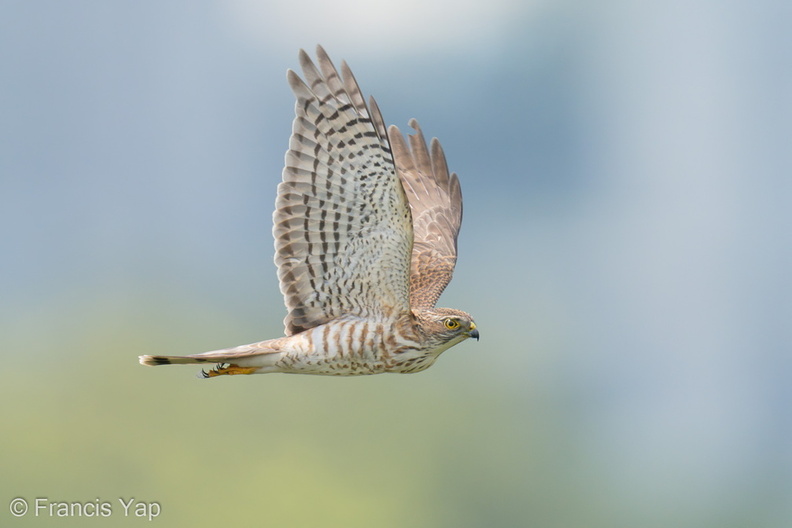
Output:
x=473 y=332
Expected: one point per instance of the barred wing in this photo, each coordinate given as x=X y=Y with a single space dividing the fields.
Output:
x=342 y=223
x=436 y=202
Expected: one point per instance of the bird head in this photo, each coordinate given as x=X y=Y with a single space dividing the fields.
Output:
x=447 y=327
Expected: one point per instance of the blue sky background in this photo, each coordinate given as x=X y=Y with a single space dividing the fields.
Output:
x=625 y=252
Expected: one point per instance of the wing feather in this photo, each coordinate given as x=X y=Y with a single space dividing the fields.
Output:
x=342 y=223
x=436 y=201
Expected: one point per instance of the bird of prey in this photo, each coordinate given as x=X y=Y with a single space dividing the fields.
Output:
x=365 y=228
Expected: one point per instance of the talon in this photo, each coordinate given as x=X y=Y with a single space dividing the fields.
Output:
x=230 y=370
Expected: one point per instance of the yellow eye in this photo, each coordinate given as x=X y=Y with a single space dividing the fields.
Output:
x=451 y=324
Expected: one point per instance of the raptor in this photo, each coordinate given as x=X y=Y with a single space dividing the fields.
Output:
x=365 y=225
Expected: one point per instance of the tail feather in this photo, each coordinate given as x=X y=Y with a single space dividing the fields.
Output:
x=226 y=355
x=153 y=361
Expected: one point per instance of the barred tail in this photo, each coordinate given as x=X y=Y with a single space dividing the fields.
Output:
x=153 y=361
x=226 y=355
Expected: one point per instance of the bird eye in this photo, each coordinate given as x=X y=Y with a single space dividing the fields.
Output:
x=451 y=324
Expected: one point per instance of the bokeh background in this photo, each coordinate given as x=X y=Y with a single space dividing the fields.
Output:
x=625 y=251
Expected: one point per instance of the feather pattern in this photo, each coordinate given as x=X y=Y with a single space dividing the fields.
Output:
x=342 y=222
x=436 y=201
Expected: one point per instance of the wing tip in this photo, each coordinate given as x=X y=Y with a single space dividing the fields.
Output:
x=298 y=86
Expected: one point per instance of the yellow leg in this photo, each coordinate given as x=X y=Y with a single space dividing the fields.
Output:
x=230 y=370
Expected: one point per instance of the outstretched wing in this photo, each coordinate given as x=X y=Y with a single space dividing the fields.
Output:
x=436 y=202
x=342 y=224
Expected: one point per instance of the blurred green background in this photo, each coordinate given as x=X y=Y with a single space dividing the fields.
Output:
x=625 y=252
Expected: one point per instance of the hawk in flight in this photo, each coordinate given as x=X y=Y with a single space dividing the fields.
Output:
x=365 y=228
